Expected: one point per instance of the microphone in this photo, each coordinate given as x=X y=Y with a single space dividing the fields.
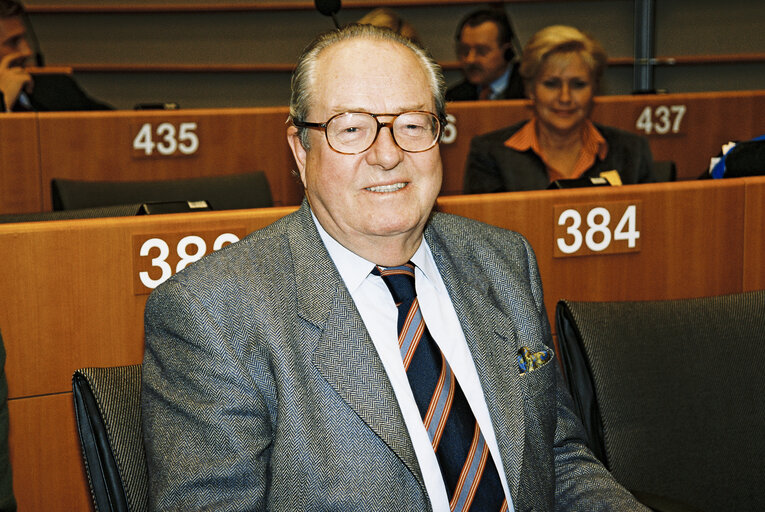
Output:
x=328 y=8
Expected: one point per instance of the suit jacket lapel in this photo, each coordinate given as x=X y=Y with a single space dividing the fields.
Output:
x=491 y=337
x=345 y=354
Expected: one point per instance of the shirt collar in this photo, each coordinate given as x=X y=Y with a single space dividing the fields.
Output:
x=593 y=146
x=526 y=138
x=500 y=84
x=354 y=269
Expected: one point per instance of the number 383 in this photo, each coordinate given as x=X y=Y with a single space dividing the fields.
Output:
x=188 y=250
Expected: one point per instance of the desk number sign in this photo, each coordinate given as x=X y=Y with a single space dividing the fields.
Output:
x=165 y=139
x=607 y=228
x=156 y=257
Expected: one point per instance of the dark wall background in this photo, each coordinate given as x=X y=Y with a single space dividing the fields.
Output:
x=683 y=28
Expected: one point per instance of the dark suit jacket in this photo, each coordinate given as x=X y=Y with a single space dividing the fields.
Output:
x=465 y=91
x=262 y=389
x=59 y=92
x=493 y=167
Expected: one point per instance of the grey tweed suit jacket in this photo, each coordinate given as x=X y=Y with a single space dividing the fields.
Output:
x=262 y=389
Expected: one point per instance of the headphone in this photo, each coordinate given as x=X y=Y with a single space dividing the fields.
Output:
x=500 y=18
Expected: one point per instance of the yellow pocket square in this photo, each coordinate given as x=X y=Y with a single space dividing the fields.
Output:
x=529 y=361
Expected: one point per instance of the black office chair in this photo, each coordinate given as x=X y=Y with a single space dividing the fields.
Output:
x=227 y=192
x=664 y=170
x=671 y=394
x=123 y=210
x=108 y=412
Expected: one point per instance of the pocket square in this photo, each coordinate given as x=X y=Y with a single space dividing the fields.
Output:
x=529 y=361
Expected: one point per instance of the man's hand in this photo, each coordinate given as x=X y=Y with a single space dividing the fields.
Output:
x=13 y=79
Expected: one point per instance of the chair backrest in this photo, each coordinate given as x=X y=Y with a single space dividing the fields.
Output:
x=664 y=170
x=108 y=412
x=124 y=210
x=227 y=192
x=671 y=394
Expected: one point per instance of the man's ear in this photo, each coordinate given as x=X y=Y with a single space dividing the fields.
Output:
x=298 y=151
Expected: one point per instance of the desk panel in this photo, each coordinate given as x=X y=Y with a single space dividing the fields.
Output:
x=690 y=233
x=68 y=297
x=67 y=292
x=48 y=472
x=189 y=143
x=19 y=164
x=157 y=145
x=754 y=235
x=686 y=128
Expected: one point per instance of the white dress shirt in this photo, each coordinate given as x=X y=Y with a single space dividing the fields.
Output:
x=380 y=315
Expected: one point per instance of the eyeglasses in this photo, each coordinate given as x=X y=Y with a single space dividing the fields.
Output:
x=351 y=133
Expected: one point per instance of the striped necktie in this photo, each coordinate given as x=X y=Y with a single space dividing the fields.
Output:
x=467 y=467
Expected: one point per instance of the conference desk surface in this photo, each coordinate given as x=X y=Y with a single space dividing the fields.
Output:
x=168 y=144
x=72 y=295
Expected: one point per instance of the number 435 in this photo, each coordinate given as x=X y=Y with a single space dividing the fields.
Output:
x=183 y=139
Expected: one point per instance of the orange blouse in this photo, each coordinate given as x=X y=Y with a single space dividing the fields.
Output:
x=593 y=145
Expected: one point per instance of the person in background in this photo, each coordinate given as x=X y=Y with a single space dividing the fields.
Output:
x=274 y=377
x=485 y=51
x=384 y=17
x=561 y=68
x=19 y=90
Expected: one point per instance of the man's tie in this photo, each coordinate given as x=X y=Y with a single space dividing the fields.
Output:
x=485 y=93
x=466 y=465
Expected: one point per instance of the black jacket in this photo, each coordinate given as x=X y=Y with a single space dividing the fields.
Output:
x=494 y=167
x=59 y=92
x=465 y=91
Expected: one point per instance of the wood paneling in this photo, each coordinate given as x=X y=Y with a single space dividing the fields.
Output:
x=48 y=472
x=710 y=120
x=99 y=146
x=754 y=236
x=67 y=295
x=691 y=236
x=19 y=164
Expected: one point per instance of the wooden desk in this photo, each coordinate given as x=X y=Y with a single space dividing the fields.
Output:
x=167 y=144
x=20 y=190
x=686 y=128
x=754 y=236
x=66 y=301
x=68 y=290
x=692 y=239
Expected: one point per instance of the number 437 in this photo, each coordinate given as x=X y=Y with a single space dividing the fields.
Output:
x=661 y=120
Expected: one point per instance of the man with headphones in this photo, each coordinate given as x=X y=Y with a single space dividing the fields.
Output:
x=485 y=50
x=21 y=91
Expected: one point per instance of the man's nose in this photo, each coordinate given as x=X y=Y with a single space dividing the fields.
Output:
x=385 y=152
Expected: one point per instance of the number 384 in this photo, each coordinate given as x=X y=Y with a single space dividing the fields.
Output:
x=589 y=230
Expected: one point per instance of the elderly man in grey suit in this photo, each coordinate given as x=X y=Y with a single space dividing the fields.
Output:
x=363 y=353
